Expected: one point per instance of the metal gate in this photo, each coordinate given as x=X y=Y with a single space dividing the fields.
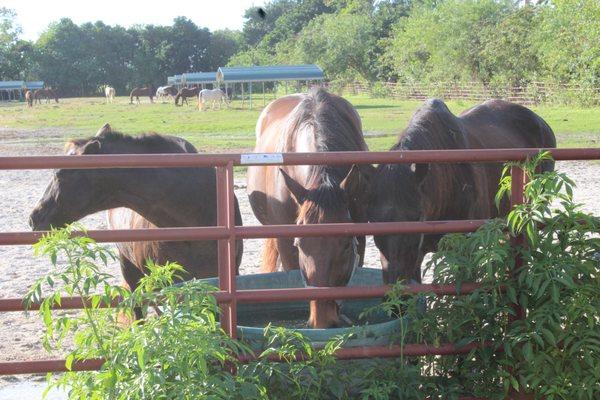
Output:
x=226 y=232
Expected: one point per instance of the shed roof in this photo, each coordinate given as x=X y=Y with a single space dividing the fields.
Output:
x=34 y=84
x=18 y=85
x=270 y=73
x=199 y=77
x=174 y=80
x=11 y=85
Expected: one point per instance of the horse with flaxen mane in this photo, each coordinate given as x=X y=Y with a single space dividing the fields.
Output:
x=184 y=93
x=142 y=91
x=47 y=94
x=430 y=192
x=314 y=122
x=29 y=98
x=139 y=198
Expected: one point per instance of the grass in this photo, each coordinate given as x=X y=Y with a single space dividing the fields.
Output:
x=233 y=130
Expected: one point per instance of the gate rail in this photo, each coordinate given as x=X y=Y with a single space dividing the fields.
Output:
x=226 y=232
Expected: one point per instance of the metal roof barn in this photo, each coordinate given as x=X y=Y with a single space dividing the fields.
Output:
x=270 y=73
x=194 y=78
x=174 y=80
x=11 y=90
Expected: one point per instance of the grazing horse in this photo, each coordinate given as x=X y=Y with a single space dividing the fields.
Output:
x=110 y=94
x=184 y=93
x=314 y=122
x=142 y=91
x=165 y=91
x=29 y=98
x=214 y=95
x=431 y=192
x=47 y=94
x=139 y=198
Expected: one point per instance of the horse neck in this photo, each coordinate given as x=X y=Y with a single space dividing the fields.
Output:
x=166 y=197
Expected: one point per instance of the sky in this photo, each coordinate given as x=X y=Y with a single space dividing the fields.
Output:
x=34 y=15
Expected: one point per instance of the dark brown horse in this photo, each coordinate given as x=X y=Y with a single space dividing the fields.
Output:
x=314 y=122
x=47 y=94
x=29 y=98
x=142 y=91
x=138 y=198
x=430 y=192
x=184 y=93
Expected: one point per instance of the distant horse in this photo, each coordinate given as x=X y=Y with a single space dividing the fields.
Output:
x=214 y=95
x=29 y=98
x=314 y=122
x=110 y=93
x=164 y=91
x=152 y=197
x=142 y=91
x=47 y=94
x=431 y=192
x=184 y=93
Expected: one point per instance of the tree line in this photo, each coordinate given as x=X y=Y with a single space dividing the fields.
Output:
x=494 y=42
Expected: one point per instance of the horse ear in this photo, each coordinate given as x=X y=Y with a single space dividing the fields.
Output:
x=93 y=147
x=298 y=191
x=104 y=130
x=420 y=171
x=358 y=180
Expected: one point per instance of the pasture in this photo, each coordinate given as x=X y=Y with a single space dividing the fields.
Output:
x=232 y=130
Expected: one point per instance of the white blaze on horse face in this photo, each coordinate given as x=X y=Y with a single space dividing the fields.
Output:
x=305 y=143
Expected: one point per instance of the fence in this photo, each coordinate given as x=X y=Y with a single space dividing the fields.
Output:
x=226 y=232
x=533 y=93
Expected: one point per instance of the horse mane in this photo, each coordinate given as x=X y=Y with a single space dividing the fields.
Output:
x=146 y=143
x=336 y=127
x=433 y=127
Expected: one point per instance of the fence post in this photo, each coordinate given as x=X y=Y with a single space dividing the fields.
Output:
x=518 y=180
x=232 y=252
x=223 y=246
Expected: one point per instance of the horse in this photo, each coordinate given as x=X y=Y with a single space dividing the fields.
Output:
x=47 y=94
x=142 y=91
x=431 y=192
x=184 y=93
x=110 y=94
x=214 y=95
x=29 y=98
x=139 y=198
x=317 y=121
x=165 y=91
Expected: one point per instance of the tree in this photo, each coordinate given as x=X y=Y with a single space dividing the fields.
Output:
x=340 y=44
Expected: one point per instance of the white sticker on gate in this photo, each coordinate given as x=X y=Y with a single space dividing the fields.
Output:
x=261 y=158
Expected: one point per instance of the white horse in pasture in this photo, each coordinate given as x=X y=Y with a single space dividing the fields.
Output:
x=110 y=93
x=212 y=96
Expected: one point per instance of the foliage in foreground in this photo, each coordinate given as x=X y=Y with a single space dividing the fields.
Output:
x=182 y=353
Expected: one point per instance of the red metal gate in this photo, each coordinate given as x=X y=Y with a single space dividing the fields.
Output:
x=226 y=232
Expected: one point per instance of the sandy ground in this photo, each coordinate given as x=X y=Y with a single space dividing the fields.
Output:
x=20 y=190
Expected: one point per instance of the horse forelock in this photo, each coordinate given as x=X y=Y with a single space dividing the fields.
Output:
x=322 y=201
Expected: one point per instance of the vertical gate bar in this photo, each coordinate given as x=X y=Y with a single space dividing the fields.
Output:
x=232 y=253
x=223 y=256
x=517 y=196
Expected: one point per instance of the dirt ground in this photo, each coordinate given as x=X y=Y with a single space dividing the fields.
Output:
x=20 y=190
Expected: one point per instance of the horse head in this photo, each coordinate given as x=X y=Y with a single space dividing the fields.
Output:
x=325 y=260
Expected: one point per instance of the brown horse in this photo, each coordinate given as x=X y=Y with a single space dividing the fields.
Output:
x=312 y=122
x=47 y=94
x=430 y=192
x=142 y=91
x=29 y=98
x=153 y=197
x=184 y=93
